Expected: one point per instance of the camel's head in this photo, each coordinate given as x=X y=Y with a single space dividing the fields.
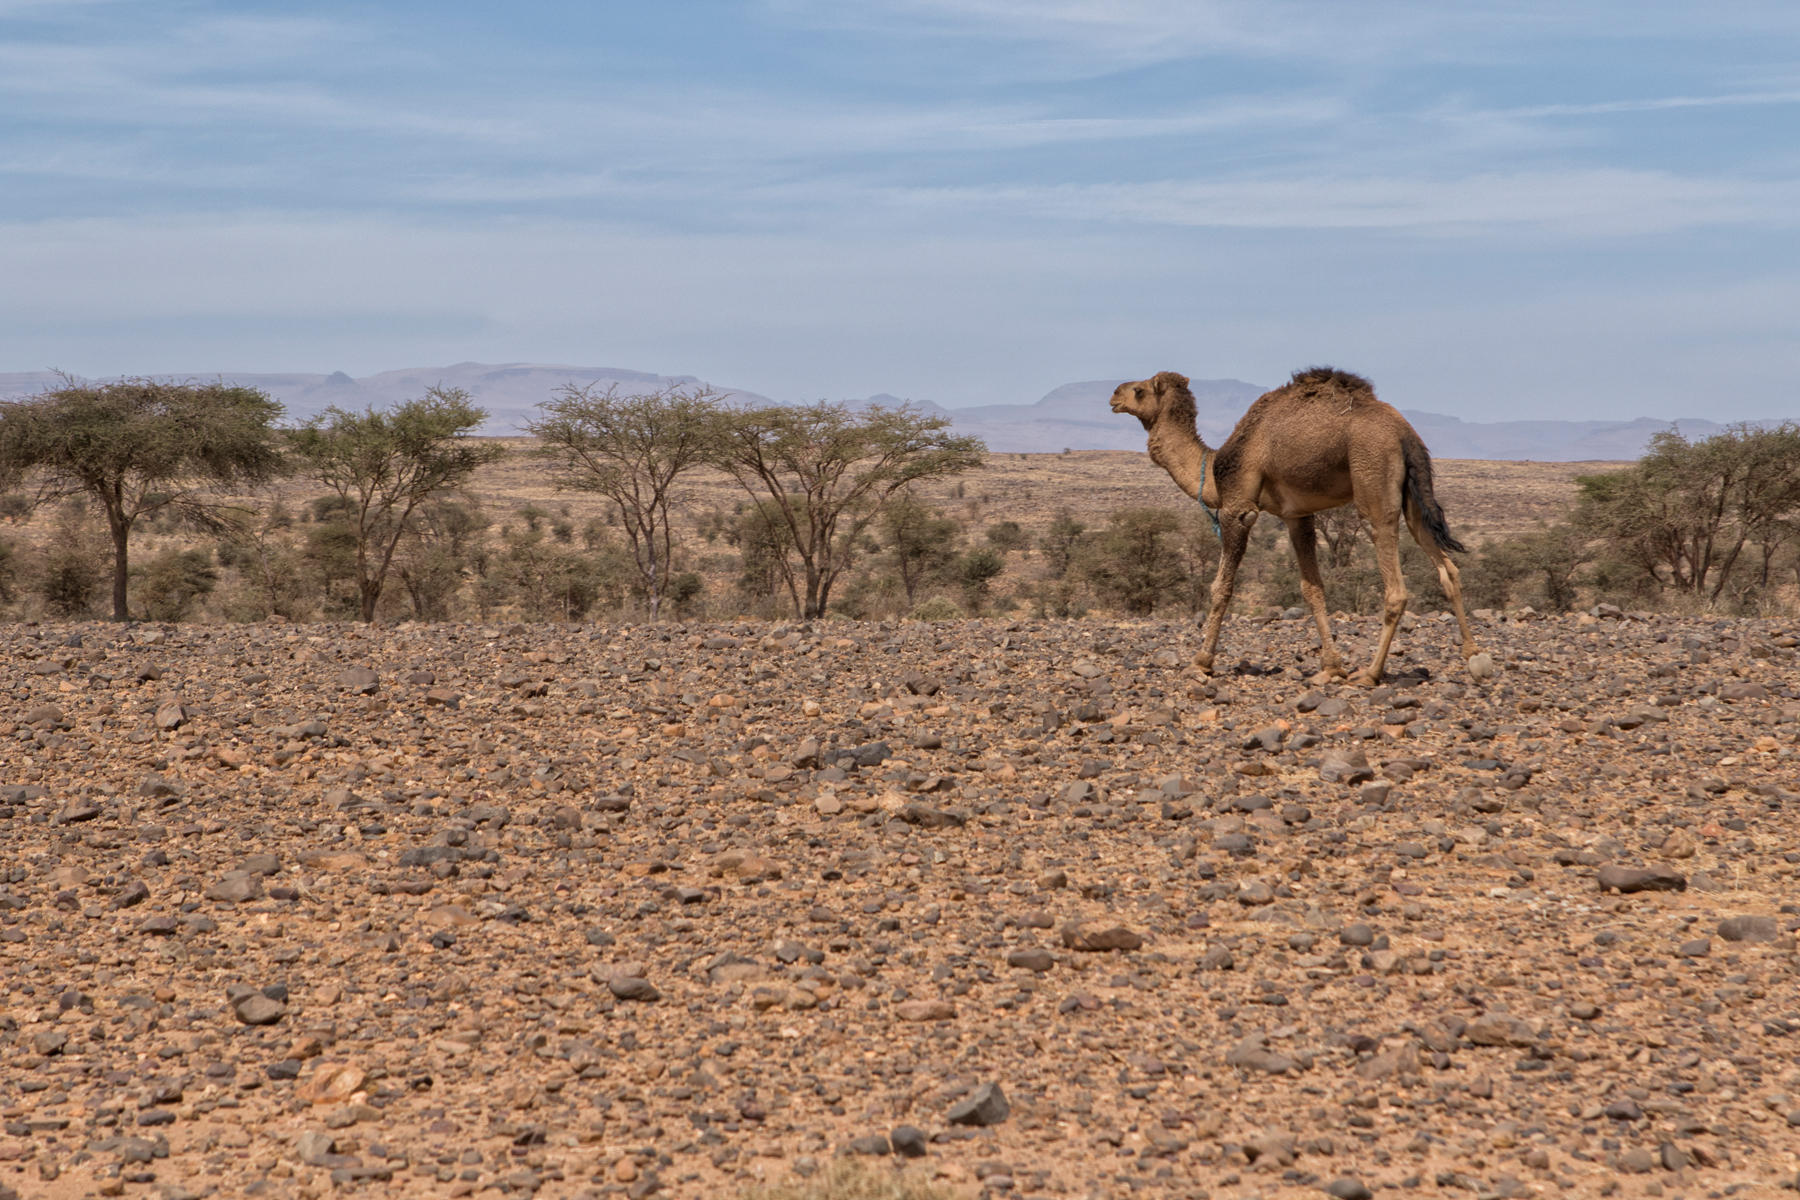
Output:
x=1148 y=399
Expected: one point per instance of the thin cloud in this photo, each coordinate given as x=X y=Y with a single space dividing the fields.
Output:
x=1655 y=104
x=1590 y=203
x=1105 y=35
x=236 y=70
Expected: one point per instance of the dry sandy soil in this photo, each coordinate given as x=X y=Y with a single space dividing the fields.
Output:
x=453 y=910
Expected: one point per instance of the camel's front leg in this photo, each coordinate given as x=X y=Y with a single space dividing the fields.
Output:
x=1312 y=590
x=1234 y=535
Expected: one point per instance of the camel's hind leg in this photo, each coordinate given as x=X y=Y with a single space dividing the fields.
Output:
x=1449 y=578
x=1386 y=534
x=1312 y=590
x=1234 y=535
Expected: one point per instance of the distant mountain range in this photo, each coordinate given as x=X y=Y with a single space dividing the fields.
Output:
x=1074 y=416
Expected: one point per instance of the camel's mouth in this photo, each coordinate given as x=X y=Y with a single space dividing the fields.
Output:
x=1115 y=405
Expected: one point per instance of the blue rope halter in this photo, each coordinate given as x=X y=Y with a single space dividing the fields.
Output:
x=1211 y=513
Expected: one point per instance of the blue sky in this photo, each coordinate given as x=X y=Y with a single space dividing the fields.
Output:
x=1494 y=210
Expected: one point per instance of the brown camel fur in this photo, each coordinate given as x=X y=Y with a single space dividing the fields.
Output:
x=1319 y=441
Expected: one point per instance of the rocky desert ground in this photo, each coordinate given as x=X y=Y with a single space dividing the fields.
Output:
x=1026 y=907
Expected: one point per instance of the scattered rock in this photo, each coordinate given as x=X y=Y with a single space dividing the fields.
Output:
x=632 y=987
x=331 y=1083
x=1499 y=1029
x=925 y=1010
x=254 y=1008
x=908 y=1141
x=986 y=1105
x=1627 y=880
x=853 y=878
x=1749 y=929
x=1098 y=936
x=360 y=680
x=1031 y=959
x=1253 y=1054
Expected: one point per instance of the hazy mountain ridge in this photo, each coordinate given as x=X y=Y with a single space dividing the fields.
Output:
x=510 y=392
x=1074 y=416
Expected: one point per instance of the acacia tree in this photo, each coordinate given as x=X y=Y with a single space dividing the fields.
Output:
x=631 y=449
x=383 y=465
x=1683 y=515
x=821 y=473
x=142 y=447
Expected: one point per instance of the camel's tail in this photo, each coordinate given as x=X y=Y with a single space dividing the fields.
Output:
x=1419 y=496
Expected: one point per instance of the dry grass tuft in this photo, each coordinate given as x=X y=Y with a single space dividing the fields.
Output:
x=849 y=1179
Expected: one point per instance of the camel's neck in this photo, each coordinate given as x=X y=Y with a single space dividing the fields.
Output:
x=1181 y=453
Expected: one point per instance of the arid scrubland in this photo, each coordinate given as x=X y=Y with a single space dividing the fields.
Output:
x=511 y=546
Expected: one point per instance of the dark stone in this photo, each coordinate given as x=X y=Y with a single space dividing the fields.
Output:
x=258 y=1009
x=1253 y=1054
x=871 y=755
x=131 y=895
x=630 y=987
x=1626 y=880
x=1097 y=937
x=908 y=1141
x=986 y=1105
x=926 y=817
x=360 y=680
x=1749 y=929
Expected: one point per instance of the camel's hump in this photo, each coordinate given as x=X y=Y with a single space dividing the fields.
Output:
x=1331 y=377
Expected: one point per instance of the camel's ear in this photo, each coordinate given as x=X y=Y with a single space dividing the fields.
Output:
x=1170 y=379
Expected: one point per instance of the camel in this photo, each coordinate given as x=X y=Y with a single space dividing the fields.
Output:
x=1319 y=441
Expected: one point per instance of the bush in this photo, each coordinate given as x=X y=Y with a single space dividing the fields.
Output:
x=273 y=579
x=76 y=563
x=1007 y=536
x=432 y=575
x=976 y=572
x=938 y=608
x=330 y=556
x=1058 y=598
x=921 y=543
x=685 y=591
x=1060 y=541
x=330 y=508
x=1136 y=563
x=549 y=583
x=71 y=580
x=763 y=544
x=869 y=596
x=171 y=582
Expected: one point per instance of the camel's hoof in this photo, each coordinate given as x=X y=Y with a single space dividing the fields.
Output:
x=1328 y=675
x=1365 y=679
x=1203 y=664
x=1482 y=666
